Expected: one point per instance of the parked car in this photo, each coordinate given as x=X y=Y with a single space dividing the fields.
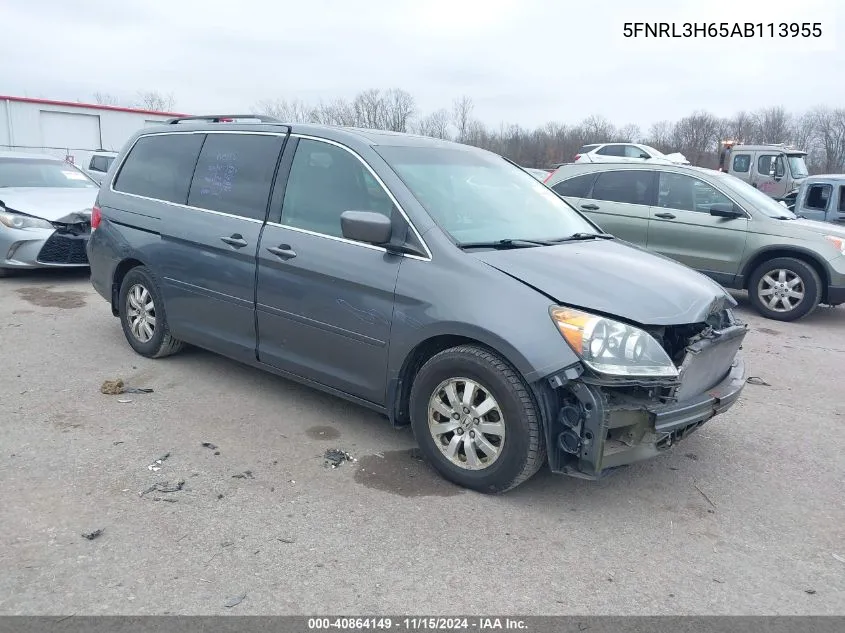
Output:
x=539 y=174
x=776 y=170
x=718 y=225
x=99 y=164
x=625 y=153
x=436 y=283
x=45 y=212
x=821 y=198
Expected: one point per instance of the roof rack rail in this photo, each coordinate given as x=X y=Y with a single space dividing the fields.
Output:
x=224 y=118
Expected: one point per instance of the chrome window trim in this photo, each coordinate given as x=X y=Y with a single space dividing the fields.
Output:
x=276 y=224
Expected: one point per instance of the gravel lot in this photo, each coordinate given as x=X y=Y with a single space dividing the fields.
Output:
x=747 y=516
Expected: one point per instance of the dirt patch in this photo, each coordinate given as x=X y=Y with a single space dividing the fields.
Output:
x=322 y=433
x=766 y=330
x=47 y=298
x=397 y=472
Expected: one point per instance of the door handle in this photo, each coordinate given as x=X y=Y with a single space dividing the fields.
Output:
x=237 y=240
x=665 y=216
x=282 y=251
x=590 y=207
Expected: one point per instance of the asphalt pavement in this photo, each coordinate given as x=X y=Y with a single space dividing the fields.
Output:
x=746 y=516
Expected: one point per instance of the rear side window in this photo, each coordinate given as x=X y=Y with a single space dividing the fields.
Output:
x=742 y=162
x=324 y=181
x=612 y=150
x=818 y=196
x=161 y=167
x=587 y=148
x=632 y=186
x=100 y=163
x=234 y=174
x=578 y=187
x=842 y=199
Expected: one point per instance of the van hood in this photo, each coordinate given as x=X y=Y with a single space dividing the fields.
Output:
x=615 y=279
x=54 y=204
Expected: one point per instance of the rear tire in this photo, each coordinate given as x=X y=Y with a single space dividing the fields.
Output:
x=143 y=317
x=495 y=443
x=784 y=289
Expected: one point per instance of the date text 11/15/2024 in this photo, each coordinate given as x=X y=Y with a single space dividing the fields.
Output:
x=771 y=30
x=416 y=624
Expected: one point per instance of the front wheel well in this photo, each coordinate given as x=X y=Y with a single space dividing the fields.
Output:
x=414 y=362
x=808 y=259
x=120 y=272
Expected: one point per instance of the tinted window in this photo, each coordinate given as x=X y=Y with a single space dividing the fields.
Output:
x=818 y=196
x=635 y=152
x=764 y=164
x=578 y=187
x=161 y=167
x=612 y=150
x=742 y=162
x=100 y=163
x=234 y=174
x=326 y=180
x=841 y=199
x=587 y=148
x=684 y=193
x=631 y=186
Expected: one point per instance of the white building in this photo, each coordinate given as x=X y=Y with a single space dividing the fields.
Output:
x=72 y=131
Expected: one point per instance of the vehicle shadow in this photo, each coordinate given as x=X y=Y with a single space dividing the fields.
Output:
x=822 y=315
x=48 y=275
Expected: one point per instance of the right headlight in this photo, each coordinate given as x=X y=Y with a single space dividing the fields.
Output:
x=611 y=347
x=18 y=221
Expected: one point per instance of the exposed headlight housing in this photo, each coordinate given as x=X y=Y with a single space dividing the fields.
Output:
x=838 y=242
x=611 y=347
x=19 y=221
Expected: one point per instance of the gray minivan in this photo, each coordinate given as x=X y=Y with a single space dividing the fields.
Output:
x=436 y=283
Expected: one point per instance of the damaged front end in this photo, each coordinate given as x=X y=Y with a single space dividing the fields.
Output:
x=596 y=422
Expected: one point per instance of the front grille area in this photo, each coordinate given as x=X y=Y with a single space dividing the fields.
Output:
x=64 y=249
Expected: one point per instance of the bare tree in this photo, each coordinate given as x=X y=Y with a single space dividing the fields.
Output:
x=462 y=108
x=370 y=110
x=399 y=109
x=803 y=133
x=154 y=100
x=435 y=124
x=338 y=112
x=294 y=111
x=597 y=129
x=660 y=136
x=830 y=128
x=772 y=125
x=695 y=136
x=742 y=128
x=104 y=98
x=629 y=133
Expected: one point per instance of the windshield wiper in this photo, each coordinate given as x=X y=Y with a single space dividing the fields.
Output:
x=577 y=237
x=506 y=243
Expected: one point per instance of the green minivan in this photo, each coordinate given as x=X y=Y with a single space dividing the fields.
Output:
x=716 y=224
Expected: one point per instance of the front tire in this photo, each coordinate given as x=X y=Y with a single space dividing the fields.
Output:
x=476 y=420
x=142 y=315
x=784 y=289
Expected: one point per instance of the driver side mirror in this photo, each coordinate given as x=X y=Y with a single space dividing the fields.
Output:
x=366 y=226
x=645 y=156
x=725 y=210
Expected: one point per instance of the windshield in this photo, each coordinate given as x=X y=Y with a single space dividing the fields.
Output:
x=797 y=166
x=762 y=203
x=36 y=172
x=479 y=197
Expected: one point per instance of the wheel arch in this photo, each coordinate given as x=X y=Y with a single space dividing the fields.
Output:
x=808 y=257
x=120 y=272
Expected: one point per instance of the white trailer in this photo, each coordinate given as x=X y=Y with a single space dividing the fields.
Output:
x=68 y=130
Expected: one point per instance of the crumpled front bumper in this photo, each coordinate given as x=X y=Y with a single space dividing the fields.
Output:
x=605 y=427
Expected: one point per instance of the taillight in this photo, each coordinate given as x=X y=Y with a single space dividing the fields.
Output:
x=577 y=156
x=96 y=217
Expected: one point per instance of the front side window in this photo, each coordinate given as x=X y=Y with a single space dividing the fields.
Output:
x=818 y=197
x=37 y=172
x=684 y=193
x=797 y=165
x=160 y=167
x=742 y=163
x=764 y=164
x=632 y=151
x=234 y=174
x=631 y=186
x=758 y=200
x=476 y=196
x=100 y=163
x=325 y=180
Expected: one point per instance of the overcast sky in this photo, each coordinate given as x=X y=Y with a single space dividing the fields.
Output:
x=522 y=61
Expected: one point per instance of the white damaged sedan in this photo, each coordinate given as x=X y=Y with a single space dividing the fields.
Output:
x=45 y=212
